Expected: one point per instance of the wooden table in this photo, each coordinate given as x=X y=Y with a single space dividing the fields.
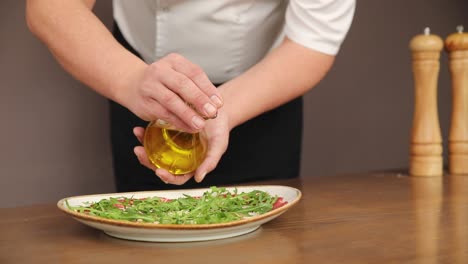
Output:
x=381 y=217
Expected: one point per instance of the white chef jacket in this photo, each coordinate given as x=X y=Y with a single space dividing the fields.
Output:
x=226 y=37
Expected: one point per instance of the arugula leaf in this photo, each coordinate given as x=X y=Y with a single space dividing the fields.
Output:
x=217 y=205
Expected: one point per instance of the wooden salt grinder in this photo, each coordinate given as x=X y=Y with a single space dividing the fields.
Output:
x=457 y=46
x=426 y=141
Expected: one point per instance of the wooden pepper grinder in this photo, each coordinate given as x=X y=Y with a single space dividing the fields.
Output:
x=457 y=46
x=426 y=141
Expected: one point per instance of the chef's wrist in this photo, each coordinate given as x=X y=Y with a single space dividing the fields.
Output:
x=229 y=106
x=122 y=91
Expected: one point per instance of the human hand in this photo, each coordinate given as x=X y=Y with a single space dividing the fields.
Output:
x=216 y=132
x=175 y=90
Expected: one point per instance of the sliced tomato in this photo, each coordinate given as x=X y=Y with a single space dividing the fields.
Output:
x=279 y=202
x=119 y=205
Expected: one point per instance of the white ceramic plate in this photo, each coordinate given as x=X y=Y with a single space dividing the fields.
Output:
x=179 y=233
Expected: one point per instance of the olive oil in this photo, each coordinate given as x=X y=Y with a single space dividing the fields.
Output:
x=175 y=151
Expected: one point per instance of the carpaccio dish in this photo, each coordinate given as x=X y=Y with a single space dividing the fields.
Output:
x=217 y=205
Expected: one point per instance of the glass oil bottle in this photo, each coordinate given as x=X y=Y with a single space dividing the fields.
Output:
x=175 y=151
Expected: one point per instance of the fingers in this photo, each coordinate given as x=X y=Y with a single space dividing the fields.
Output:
x=164 y=175
x=188 y=82
x=139 y=133
x=198 y=77
x=169 y=178
x=215 y=151
x=207 y=166
x=143 y=158
x=175 y=90
x=189 y=91
x=172 y=109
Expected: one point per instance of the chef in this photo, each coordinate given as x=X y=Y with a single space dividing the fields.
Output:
x=244 y=64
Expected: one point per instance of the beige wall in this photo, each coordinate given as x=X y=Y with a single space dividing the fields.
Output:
x=55 y=140
x=359 y=118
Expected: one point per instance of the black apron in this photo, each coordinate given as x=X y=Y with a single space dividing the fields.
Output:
x=264 y=148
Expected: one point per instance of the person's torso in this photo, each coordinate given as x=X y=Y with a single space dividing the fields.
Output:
x=224 y=37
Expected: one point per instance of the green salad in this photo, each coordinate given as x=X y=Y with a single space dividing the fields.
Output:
x=217 y=205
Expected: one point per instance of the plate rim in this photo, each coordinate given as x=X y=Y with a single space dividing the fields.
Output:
x=62 y=206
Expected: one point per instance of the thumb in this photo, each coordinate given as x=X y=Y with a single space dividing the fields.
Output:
x=215 y=151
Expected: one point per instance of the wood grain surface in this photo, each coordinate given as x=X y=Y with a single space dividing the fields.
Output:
x=379 y=217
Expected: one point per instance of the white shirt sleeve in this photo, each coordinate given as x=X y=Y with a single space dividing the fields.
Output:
x=320 y=25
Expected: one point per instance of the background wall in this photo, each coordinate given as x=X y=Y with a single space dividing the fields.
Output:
x=360 y=117
x=54 y=134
